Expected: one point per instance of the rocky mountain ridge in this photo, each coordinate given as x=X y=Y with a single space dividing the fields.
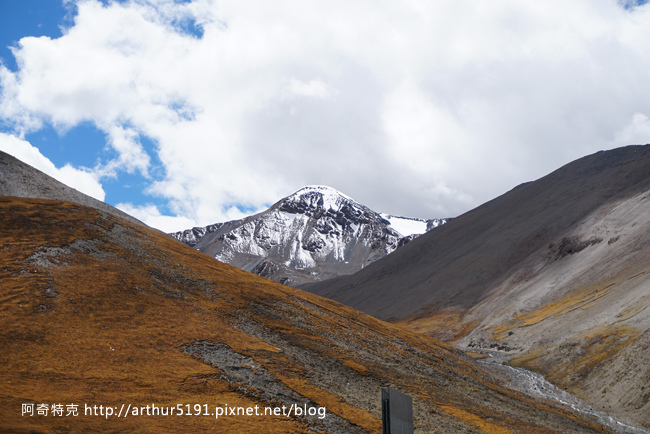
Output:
x=314 y=234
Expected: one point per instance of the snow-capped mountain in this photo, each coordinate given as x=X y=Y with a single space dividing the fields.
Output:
x=315 y=234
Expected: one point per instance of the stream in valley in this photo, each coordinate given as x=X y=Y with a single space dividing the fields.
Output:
x=534 y=384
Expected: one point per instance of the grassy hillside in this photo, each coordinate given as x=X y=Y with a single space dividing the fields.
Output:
x=96 y=311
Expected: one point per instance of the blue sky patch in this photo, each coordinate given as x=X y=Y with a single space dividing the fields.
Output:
x=631 y=4
x=20 y=18
x=77 y=146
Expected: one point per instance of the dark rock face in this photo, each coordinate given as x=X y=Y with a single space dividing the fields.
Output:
x=266 y=269
x=571 y=245
x=312 y=204
x=192 y=236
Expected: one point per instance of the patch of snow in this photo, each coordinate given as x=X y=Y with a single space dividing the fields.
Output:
x=332 y=198
x=406 y=226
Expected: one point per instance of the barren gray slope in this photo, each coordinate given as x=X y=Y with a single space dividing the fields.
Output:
x=459 y=263
x=22 y=180
x=557 y=276
x=578 y=310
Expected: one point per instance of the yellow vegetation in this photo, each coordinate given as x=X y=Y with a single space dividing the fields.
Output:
x=480 y=422
x=104 y=322
x=576 y=300
x=580 y=298
x=634 y=309
x=591 y=349
x=446 y=324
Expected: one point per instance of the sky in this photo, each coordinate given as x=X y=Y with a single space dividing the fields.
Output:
x=187 y=113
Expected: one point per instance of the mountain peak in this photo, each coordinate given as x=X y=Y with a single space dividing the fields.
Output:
x=319 y=197
x=316 y=199
x=319 y=189
x=314 y=234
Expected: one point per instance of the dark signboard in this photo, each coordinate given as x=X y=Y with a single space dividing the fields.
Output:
x=396 y=412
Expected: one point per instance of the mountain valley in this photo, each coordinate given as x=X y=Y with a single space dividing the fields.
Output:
x=554 y=274
x=97 y=310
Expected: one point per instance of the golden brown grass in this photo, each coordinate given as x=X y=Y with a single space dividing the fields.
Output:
x=581 y=298
x=593 y=348
x=446 y=324
x=106 y=322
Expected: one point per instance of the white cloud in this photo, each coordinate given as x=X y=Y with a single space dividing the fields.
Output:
x=637 y=132
x=152 y=216
x=80 y=179
x=132 y=156
x=315 y=88
x=415 y=108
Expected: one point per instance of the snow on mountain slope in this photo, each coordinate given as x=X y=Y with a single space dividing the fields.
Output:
x=314 y=234
x=412 y=226
x=192 y=236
